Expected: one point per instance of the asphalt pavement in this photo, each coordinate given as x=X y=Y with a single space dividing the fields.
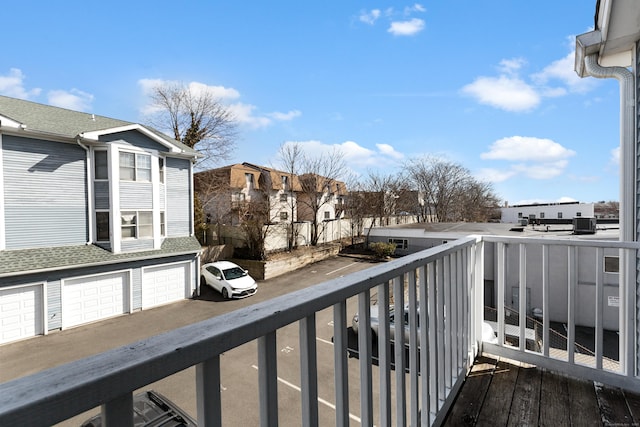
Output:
x=239 y=366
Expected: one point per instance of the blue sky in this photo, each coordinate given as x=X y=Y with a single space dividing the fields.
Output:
x=487 y=84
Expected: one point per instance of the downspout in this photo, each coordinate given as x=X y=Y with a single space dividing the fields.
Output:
x=89 y=193
x=628 y=260
x=627 y=141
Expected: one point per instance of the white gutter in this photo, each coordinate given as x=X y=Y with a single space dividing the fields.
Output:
x=89 y=183
x=627 y=141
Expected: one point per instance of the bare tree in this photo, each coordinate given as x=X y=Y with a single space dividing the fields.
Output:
x=196 y=118
x=214 y=194
x=291 y=157
x=449 y=190
x=318 y=181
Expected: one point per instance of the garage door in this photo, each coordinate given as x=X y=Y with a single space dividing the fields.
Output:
x=88 y=299
x=165 y=284
x=21 y=313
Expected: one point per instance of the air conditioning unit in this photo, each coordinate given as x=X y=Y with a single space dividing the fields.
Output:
x=584 y=225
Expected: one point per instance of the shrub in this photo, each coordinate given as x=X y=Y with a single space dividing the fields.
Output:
x=382 y=249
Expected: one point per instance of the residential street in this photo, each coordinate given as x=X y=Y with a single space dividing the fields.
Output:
x=239 y=366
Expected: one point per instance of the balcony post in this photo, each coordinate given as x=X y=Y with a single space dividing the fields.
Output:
x=309 y=371
x=118 y=412
x=268 y=379
x=341 y=378
x=208 y=395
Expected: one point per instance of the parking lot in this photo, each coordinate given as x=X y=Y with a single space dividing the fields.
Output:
x=239 y=366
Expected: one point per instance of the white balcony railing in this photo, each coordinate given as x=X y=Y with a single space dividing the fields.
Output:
x=443 y=289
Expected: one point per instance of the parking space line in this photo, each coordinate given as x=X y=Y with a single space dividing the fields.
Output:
x=324 y=341
x=341 y=268
x=320 y=400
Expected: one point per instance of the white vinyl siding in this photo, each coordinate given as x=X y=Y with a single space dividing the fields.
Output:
x=45 y=193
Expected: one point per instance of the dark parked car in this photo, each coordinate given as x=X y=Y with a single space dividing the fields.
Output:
x=152 y=409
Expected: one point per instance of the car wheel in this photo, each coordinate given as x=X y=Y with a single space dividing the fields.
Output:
x=225 y=293
x=203 y=281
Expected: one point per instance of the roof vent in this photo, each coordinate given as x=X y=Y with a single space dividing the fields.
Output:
x=93 y=117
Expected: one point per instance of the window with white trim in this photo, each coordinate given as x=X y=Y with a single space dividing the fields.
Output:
x=161 y=169
x=400 y=243
x=100 y=165
x=163 y=225
x=135 y=166
x=102 y=226
x=136 y=224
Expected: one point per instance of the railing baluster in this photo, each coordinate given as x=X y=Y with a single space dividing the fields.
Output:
x=268 y=379
x=364 y=354
x=571 y=304
x=118 y=412
x=453 y=286
x=447 y=319
x=309 y=371
x=399 y=361
x=545 y=301
x=384 y=353
x=434 y=348
x=522 y=297
x=628 y=291
x=440 y=347
x=208 y=395
x=599 y=333
x=414 y=367
x=425 y=347
x=341 y=370
x=501 y=253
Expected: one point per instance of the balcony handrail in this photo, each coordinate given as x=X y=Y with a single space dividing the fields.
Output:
x=53 y=395
x=449 y=277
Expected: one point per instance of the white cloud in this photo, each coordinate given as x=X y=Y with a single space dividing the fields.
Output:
x=534 y=158
x=12 y=84
x=541 y=170
x=504 y=92
x=615 y=156
x=388 y=150
x=494 y=175
x=74 y=99
x=355 y=155
x=244 y=113
x=563 y=70
x=370 y=17
x=511 y=66
x=406 y=28
x=519 y=148
x=415 y=8
x=285 y=117
x=510 y=92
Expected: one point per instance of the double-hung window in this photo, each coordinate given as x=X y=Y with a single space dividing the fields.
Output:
x=101 y=165
x=136 y=224
x=102 y=226
x=135 y=167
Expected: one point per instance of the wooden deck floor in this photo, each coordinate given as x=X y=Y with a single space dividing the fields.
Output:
x=497 y=393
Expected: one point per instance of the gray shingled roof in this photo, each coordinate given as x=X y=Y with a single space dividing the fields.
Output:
x=66 y=123
x=21 y=261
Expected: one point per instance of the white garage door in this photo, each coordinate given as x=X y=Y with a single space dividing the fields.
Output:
x=88 y=299
x=21 y=313
x=165 y=284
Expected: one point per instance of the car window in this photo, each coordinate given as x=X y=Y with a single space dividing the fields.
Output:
x=234 y=273
x=213 y=270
